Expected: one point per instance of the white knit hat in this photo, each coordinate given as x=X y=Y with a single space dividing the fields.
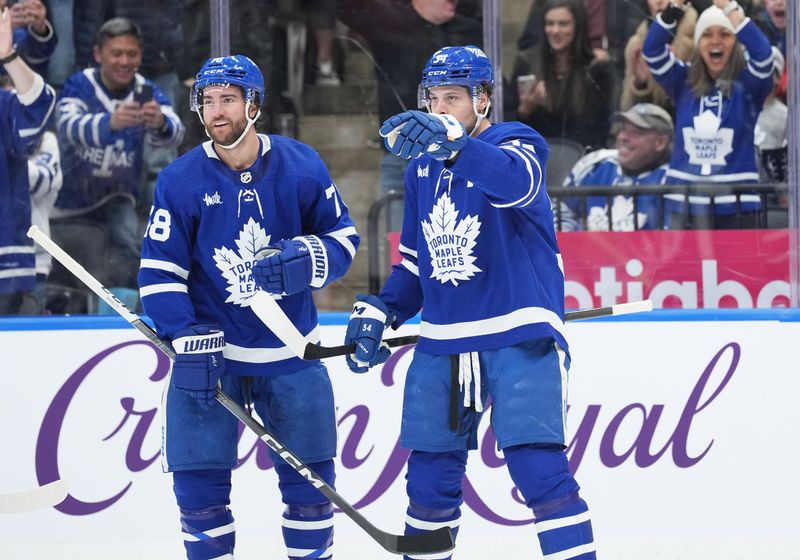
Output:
x=710 y=17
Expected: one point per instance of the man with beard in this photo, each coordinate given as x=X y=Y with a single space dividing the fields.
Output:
x=105 y=115
x=216 y=208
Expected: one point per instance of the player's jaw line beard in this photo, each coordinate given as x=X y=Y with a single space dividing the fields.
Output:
x=234 y=130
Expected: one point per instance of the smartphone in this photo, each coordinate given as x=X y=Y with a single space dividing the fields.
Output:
x=143 y=93
x=526 y=82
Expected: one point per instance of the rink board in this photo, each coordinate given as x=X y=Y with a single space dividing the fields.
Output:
x=680 y=429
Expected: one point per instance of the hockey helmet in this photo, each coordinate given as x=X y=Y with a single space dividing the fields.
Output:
x=460 y=66
x=236 y=70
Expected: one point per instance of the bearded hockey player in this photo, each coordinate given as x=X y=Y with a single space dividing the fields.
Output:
x=215 y=209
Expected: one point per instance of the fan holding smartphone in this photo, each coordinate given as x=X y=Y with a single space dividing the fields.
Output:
x=106 y=115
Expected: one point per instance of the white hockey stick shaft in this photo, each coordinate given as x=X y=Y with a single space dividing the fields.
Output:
x=43 y=497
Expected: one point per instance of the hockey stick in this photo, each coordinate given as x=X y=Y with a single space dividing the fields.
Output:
x=273 y=316
x=43 y=497
x=439 y=540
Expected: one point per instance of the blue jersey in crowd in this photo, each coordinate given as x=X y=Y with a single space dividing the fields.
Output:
x=479 y=249
x=601 y=168
x=100 y=163
x=22 y=123
x=714 y=133
x=208 y=223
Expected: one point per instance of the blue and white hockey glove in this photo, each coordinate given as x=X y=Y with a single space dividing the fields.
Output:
x=198 y=361
x=285 y=272
x=365 y=330
x=414 y=133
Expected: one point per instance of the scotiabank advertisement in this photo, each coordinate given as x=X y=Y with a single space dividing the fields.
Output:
x=680 y=436
x=683 y=269
x=675 y=269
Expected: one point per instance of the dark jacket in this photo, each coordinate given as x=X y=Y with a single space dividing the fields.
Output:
x=586 y=123
x=162 y=32
x=401 y=43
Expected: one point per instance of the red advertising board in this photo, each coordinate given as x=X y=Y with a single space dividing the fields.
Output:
x=684 y=269
x=679 y=269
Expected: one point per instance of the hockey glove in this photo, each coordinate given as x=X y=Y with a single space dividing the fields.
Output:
x=672 y=14
x=198 y=361
x=365 y=330
x=414 y=133
x=285 y=272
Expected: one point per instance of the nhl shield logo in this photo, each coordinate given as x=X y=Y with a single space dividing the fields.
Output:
x=245 y=177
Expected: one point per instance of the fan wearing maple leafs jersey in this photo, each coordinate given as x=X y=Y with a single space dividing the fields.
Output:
x=215 y=209
x=718 y=97
x=480 y=260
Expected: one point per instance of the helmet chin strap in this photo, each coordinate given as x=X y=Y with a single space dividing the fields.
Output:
x=250 y=123
x=480 y=116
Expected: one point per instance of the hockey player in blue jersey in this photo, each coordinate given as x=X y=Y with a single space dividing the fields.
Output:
x=215 y=209
x=480 y=259
x=718 y=97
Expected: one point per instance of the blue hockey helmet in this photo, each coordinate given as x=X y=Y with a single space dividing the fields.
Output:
x=236 y=70
x=456 y=66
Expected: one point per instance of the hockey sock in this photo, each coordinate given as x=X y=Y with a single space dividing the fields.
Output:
x=563 y=524
x=206 y=522
x=434 y=492
x=420 y=519
x=308 y=531
x=208 y=534
x=308 y=519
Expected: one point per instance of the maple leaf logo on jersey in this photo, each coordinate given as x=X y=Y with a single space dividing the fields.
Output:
x=621 y=216
x=236 y=266
x=450 y=242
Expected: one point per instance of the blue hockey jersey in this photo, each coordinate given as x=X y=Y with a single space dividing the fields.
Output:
x=591 y=213
x=22 y=124
x=714 y=134
x=207 y=224
x=100 y=163
x=479 y=249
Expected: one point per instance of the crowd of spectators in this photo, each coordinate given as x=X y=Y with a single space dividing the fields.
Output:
x=645 y=92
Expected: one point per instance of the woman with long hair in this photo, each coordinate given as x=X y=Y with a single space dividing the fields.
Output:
x=564 y=91
x=718 y=96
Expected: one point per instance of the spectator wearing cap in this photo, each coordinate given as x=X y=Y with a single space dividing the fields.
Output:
x=643 y=141
x=718 y=97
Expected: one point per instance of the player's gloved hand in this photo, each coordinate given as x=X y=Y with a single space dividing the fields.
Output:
x=365 y=330
x=672 y=13
x=414 y=133
x=285 y=272
x=198 y=361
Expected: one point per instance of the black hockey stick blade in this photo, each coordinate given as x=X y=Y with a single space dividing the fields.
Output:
x=316 y=352
x=438 y=540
